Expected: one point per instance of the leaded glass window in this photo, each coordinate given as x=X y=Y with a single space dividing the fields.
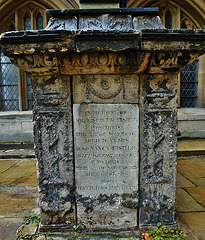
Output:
x=27 y=22
x=189 y=86
x=9 y=98
x=39 y=21
x=29 y=93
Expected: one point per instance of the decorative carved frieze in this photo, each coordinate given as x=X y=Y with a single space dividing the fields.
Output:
x=92 y=63
x=106 y=22
x=104 y=63
x=170 y=62
x=35 y=65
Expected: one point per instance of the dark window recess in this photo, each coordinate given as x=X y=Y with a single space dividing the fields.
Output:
x=183 y=25
x=168 y=20
x=39 y=21
x=189 y=85
x=12 y=27
x=27 y=22
x=9 y=97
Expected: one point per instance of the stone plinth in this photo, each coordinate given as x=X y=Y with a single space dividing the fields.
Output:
x=105 y=115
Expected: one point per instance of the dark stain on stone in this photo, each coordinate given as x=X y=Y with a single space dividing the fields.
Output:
x=130 y=204
x=172 y=69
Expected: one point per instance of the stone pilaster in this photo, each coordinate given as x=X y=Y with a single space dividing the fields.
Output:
x=158 y=128
x=54 y=150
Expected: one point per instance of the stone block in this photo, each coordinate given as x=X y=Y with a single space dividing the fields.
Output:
x=106 y=88
x=106 y=165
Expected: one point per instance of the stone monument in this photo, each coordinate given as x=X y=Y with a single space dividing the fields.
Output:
x=105 y=115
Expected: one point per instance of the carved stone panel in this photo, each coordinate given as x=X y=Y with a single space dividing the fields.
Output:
x=158 y=148
x=54 y=150
x=69 y=23
x=106 y=165
x=106 y=88
x=105 y=23
x=142 y=22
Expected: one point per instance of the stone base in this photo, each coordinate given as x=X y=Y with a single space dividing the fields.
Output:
x=95 y=236
x=55 y=228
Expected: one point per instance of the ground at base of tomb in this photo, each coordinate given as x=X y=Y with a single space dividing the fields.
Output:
x=18 y=189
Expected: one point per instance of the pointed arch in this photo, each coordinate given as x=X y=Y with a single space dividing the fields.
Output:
x=8 y=7
x=193 y=9
x=22 y=15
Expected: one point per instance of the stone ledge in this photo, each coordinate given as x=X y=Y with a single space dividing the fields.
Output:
x=191 y=122
x=15 y=114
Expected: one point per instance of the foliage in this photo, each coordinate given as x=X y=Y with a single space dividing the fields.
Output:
x=33 y=218
x=75 y=227
x=161 y=232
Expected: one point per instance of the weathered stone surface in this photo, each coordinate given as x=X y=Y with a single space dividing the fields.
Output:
x=106 y=165
x=117 y=42
x=53 y=147
x=12 y=175
x=195 y=222
x=186 y=203
x=170 y=62
x=106 y=22
x=142 y=22
x=37 y=64
x=106 y=89
x=17 y=201
x=183 y=182
x=158 y=148
x=62 y=24
x=104 y=63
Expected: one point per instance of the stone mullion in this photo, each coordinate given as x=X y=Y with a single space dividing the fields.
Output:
x=54 y=150
x=158 y=148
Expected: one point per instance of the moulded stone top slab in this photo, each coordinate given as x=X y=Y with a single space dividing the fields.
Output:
x=81 y=32
x=98 y=11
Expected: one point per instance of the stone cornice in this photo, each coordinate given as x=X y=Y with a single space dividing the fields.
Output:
x=75 y=43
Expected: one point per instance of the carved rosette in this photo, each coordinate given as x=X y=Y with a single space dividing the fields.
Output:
x=158 y=148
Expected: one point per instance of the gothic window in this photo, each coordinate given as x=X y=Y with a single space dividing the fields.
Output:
x=15 y=86
x=168 y=20
x=189 y=86
x=189 y=78
x=9 y=98
x=39 y=21
x=27 y=22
